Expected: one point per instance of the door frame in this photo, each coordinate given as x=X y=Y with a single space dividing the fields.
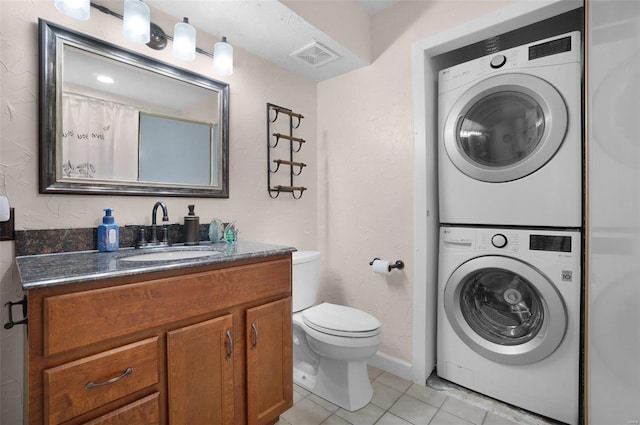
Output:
x=425 y=188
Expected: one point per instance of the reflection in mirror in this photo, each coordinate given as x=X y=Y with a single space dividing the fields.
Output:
x=189 y=162
x=113 y=121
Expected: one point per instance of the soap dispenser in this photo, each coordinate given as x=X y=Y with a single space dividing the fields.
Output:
x=108 y=233
x=191 y=227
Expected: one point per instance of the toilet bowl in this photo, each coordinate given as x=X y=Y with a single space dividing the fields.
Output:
x=332 y=343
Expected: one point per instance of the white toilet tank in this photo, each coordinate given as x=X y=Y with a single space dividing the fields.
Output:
x=305 y=279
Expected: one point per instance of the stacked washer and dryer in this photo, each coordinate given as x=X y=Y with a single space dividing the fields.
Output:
x=510 y=198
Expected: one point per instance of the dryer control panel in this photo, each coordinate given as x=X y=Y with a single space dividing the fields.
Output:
x=551 y=51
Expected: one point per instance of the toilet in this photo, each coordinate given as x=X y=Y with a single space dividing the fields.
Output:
x=331 y=343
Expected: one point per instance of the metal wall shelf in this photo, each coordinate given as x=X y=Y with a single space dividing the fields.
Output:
x=295 y=145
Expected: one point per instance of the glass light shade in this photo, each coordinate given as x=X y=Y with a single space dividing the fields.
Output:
x=136 y=25
x=184 y=41
x=78 y=9
x=223 y=58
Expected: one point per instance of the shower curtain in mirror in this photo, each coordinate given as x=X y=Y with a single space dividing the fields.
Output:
x=99 y=139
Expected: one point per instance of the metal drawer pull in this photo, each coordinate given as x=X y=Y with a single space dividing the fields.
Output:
x=230 y=345
x=91 y=385
x=254 y=328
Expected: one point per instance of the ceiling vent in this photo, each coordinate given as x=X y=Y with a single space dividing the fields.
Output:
x=315 y=54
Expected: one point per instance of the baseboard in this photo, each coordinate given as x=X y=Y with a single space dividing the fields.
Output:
x=392 y=365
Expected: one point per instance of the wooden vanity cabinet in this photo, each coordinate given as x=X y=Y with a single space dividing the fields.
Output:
x=269 y=361
x=208 y=345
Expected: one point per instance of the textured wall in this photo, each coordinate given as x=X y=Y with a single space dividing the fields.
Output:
x=259 y=218
x=360 y=202
x=366 y=145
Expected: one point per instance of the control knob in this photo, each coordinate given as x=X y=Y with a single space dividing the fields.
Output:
x=497 y=61
x=499 y=240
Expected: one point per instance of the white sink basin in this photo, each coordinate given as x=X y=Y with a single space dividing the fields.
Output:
x=170 y=255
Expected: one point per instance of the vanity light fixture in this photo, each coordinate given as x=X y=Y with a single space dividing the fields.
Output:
x=77 y=9
x=136 y=21
x=184 y=41
x=223 y=57
x=137 y=27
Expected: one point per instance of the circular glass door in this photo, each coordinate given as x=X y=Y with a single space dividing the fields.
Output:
x=505 y=310
x=505 y=127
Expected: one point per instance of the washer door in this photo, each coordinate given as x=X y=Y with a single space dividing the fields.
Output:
x=505 y=310
x=505 y=127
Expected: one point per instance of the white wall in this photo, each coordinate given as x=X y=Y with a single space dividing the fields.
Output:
x=613 y=374
x=365 y=156
x=254 y=83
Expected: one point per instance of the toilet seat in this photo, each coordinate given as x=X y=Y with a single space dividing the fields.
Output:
x=342 y=321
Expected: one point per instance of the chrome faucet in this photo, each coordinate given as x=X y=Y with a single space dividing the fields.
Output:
x=154 y=227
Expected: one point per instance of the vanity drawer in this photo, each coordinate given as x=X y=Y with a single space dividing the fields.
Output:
x=80 y=319
x=82 y=385
x=145 y=411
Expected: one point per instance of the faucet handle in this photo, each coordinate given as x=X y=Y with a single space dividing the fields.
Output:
x=165 y=232
x=142 y=237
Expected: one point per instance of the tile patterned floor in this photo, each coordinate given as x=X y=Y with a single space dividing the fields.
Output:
x=400 y=402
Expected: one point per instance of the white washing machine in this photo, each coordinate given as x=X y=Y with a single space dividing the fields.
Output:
x=509 y=316
x=510 y=137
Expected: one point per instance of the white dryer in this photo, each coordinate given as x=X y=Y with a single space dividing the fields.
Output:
x=509 y=316
x=510 y=137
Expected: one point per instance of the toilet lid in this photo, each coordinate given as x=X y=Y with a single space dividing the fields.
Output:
x=339 y=320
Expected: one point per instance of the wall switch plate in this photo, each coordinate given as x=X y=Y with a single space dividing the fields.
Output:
x=7 y=228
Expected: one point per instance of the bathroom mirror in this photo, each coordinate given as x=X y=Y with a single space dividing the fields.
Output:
x=115 y=122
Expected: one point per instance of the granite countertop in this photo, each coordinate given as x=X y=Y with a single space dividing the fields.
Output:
x=37 y=271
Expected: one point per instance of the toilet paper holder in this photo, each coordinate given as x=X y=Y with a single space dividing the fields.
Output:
x=399 y=264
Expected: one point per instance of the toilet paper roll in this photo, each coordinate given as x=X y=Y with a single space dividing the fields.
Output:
x=4 y=209
x=381 y=266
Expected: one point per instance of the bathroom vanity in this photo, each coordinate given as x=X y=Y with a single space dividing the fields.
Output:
x=191 y=341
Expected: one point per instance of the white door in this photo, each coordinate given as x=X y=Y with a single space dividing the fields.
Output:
x=505 y=310
x=505 y=127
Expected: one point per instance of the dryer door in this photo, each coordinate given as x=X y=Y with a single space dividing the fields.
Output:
x=505 y=127
x=505 y=310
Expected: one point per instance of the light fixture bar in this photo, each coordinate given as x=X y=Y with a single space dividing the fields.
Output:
x=108 y=11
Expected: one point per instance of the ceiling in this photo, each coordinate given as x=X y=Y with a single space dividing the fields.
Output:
x=270 y=30
x=374 y=6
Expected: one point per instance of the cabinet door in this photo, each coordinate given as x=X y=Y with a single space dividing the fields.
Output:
x=200 y=371
x=269 y=361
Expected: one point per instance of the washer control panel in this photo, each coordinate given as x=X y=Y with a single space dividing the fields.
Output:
x=498 y=240
x=539 y=243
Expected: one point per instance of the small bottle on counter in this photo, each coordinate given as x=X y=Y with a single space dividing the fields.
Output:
x=214 y=230
x=108 y=233
x=191 y=227
x=231 y=233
